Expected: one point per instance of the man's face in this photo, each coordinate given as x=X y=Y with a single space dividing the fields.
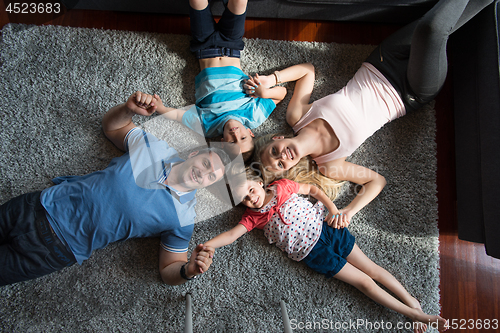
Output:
x=199 y=171
x=235 y=132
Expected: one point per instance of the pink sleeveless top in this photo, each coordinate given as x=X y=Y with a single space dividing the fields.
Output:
x=364 y=105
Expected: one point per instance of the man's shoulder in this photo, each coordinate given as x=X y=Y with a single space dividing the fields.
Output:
x=138 y=136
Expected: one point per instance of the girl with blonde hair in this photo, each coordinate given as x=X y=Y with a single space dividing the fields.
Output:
x=307 y=234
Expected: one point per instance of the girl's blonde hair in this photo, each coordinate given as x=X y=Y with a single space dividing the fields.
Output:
x=253 y=175
x=237 y=177
x=306 y=171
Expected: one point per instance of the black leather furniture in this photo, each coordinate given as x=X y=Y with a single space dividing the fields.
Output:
x=387 y=11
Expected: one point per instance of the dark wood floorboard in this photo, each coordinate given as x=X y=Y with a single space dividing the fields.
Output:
x=470 y=287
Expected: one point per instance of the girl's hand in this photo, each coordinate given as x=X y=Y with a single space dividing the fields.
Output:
x=338 y=218
x=346 y=217
x=332 y=219
x=337 y=221
x=329 y=220
x=202 y=258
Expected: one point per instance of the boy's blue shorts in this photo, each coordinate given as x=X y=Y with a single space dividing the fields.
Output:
x=208 y=35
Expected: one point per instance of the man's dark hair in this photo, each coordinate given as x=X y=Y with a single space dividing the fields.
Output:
x=224 y=157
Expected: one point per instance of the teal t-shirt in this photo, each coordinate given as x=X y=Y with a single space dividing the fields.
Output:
x=220 y=97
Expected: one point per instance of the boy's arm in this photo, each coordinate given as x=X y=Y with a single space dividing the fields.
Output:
x=227 y=237
x=169 y=113
x=334 y=218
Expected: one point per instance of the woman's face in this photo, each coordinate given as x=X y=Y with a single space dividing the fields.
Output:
x=280 y=155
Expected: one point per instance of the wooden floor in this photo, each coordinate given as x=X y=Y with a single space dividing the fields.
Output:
x=470 y=283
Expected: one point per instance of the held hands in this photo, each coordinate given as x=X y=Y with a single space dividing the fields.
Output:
x=258 y=86
x=338 y=218
x=200 y=260
x=143 y=104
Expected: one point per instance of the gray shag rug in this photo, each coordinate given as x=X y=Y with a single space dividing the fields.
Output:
x=58 y=82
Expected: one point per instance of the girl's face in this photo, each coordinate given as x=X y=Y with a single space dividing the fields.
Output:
x=254 y=194
x=280 y=155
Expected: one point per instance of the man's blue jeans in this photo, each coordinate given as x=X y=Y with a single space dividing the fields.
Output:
x=28 y=246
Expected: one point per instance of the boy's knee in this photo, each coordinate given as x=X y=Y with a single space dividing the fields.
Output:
x=237 y=7
x=198 y=4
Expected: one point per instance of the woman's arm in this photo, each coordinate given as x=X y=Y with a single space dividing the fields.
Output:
x=299 y=104
x=333 y=218
x=302 y=73
x=255 y=88
x=227 y=237
x=372 y=182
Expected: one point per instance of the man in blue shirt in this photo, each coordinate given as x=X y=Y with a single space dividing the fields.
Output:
x=148 y=191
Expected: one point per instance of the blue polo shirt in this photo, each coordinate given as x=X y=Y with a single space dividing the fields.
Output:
x=220 y=97
x=126 y=200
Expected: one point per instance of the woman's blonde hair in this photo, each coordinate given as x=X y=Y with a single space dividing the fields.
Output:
x=306 y=171
x=253 y=175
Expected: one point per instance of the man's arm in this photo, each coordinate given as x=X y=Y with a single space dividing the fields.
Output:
x=170 y=264
x=117 y=122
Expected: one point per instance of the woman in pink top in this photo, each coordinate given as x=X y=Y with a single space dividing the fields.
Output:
x=405 y=72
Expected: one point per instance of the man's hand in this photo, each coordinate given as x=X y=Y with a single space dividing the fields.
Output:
x=200 y=261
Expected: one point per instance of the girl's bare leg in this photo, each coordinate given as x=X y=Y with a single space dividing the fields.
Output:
x=361 y=272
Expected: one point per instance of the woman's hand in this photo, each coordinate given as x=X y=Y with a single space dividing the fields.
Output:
x=333 y=218
x=345 y=218
x=339 y=219
x=267 y=81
